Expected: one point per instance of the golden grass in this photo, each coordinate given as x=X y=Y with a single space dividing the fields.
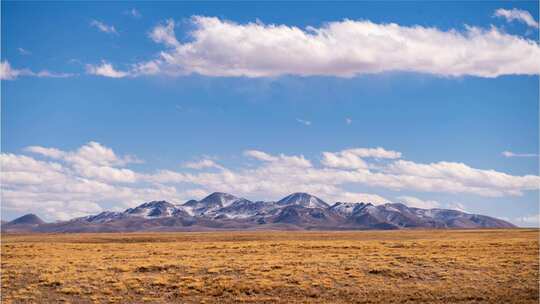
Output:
x=441 y=266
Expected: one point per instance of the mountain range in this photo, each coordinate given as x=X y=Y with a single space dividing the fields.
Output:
x=223 y=211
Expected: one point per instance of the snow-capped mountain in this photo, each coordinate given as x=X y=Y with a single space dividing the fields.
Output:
x=346 y=209
x=302 y=199
x=295 y=211
x=102 y=217
x=210 y=203
x=243 y=208
x=152 y=209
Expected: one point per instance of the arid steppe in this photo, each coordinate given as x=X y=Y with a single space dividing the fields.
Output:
x=412 y=266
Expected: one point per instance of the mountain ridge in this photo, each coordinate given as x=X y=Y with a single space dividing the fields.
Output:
x=297 y=211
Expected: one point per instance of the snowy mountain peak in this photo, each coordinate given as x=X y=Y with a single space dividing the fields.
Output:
x=102 y=217
x=157 y=204
x=303 y=199
x=298 y=210
x=152 y=209
x=346 y=209
x=219 y=198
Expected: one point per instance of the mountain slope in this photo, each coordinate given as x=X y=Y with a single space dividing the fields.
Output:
x=225 y=211
x=27 y=219
x=210 y=203
x=302 y=199
x=153 y=209
x=27 y=222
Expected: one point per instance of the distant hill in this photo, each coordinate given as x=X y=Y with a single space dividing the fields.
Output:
x=25 y=220
x=298 y=211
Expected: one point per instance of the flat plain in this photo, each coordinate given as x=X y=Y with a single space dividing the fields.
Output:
x=408 y=266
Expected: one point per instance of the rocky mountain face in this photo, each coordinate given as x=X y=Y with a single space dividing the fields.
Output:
x=297 y=211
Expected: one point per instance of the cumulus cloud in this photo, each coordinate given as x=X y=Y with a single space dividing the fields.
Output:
x=344 y=159
x=373 y=153
x=282 y=159
x=260 y=155
x=510 y=154
x=47 y=152
x=353 y=158
x=164 y=33
x=344 y=48
x=74 y=183
x=102 y=27
x=9 y=73
x=202 y=164
x=375 y=199
x=92 y=153
x=412 y=201
x=279 y=174
x=517 y=15
x=105 y=69
x=460 y=173
x=48 y=179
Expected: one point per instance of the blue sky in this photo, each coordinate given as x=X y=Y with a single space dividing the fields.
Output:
x=189 y=123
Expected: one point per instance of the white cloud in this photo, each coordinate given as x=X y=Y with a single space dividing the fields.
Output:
x=107 y=174
x=260 y=155
x=360 y=197
x=164 y=33
x=23 y=51
x=352 y=158
x=77 y=184
x=49 y=74
x=461 y=174
x=202 y=164
x=529 y=220
x=456 y=206
x=412 y=201
x=48 y=152
x=92 y=153
x=102 y=27
x=98 y=175
x=278 y=174
x=344 y=160
x=20 y=169
x=342 y=48
x=304 y=122
x=281 y=160
x=374 y=153
x=145 y=68
x=87 y=207
x=105 y=69
x=9 y=73
x=509 y=154
x=133 y=13
x=516 y=15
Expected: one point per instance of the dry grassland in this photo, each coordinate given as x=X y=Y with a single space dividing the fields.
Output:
x=442 y=266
